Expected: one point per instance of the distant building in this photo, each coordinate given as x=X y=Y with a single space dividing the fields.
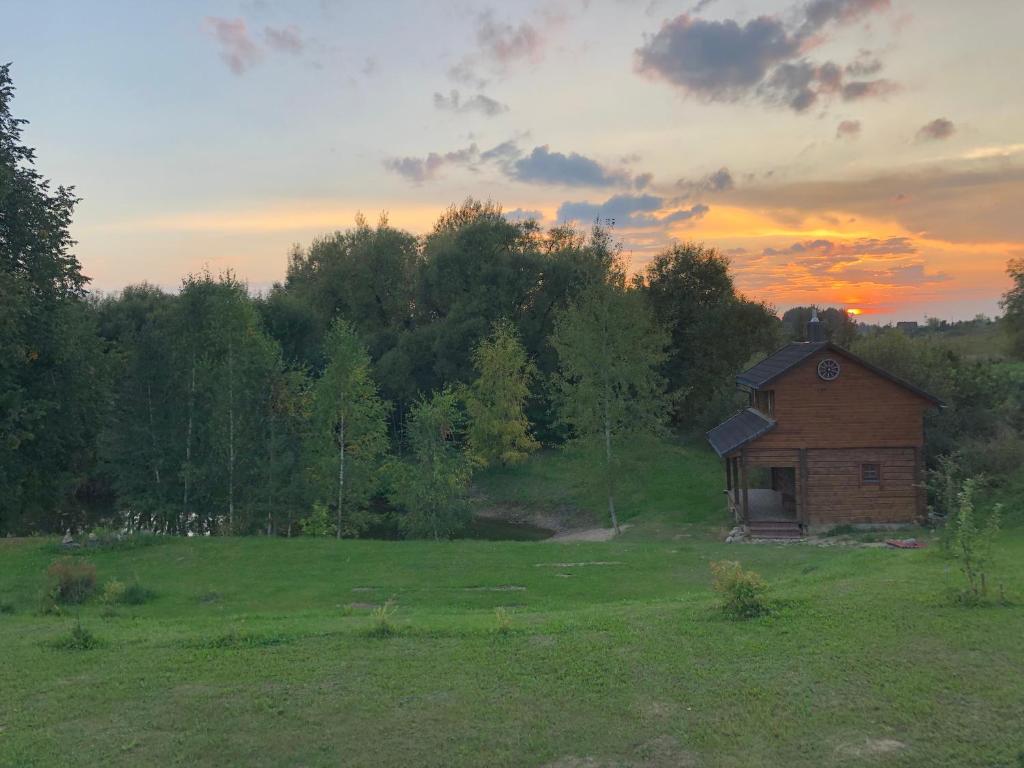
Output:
x=828 y=439
x=907 y=326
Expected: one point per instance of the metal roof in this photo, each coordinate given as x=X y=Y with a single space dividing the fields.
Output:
x=739 y=430
x=779 y=362
x=796 y=352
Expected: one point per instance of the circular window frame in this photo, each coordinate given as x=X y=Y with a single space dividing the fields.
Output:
x=828 y=369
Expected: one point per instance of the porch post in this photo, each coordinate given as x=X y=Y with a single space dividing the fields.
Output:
x=745 y=483
x=804 y=515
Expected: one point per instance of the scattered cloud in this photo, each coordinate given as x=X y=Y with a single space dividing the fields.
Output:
x=520 y=214
x=763 y=58
x=629 y=212
x=542 y=166
x=480 y=103
x=848 y=129
x=237 y=49
x=285 y=39
x=420 y=169
x=938 y=129
x=719 y=181
x=500 y=44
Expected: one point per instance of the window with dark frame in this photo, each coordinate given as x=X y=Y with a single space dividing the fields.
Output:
x=870 y=473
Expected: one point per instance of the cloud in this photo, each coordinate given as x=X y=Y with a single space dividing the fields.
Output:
x=478 y=103
x=848 y=129
x=420 y=169
x=520 y=214
x=763 y=58
x=285 y=39
x=237 y=49
x=542 y=166
x=719 y=181
x=852 y=249
x=500 y=44
x=938 y=129
x=628 y=212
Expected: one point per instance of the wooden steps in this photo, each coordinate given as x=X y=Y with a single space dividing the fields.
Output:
x=774 y=529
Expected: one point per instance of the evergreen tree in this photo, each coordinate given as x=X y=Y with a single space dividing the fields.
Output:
x=608 y=385
x=348 y=436
x=499 y=431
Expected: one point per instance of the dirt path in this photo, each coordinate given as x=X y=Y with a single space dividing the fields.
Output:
x=587 y=534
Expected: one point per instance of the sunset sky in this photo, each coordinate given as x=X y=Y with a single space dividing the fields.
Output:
x=864 y=153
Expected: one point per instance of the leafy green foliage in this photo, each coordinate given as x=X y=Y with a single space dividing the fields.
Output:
x=608 y=384
x=713 y=331
x=1013 y=306
x=318 y=522
x=72 y=581
x=973 y=545
x=499 y=431
x=78 y=639
x=383 y=624
x=348 y=435
x=743 y=592
x=430 y=487
x=118 y=593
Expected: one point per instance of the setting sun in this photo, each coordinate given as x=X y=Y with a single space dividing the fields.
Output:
x=854 y=312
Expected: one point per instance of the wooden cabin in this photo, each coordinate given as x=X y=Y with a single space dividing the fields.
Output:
x=828 y=439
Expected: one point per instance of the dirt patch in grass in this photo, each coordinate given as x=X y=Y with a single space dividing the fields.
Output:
x=870 y=747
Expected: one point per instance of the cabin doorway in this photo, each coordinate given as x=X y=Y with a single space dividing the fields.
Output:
x=772 y=495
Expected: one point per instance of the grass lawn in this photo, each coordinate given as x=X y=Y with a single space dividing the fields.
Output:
x=259 y=652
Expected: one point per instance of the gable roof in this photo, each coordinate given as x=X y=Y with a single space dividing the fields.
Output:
x=738 y=430
x=794 y=353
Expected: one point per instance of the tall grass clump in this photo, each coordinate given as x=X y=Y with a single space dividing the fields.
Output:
x=743 y=592
x=383 y=626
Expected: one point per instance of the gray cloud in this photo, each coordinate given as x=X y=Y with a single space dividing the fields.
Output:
x=500 y=44
x=628 y=212
x=520 y=214
x=938 y=129
x=719 y=181
x=285 y=39
x=420 y=169
x=454 y=102
x=761 y=58
x=237 y=48
x=543 y=166
x=848 y=129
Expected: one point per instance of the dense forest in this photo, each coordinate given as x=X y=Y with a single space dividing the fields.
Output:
x=366 y=388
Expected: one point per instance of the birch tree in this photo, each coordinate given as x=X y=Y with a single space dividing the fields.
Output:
x=499 y=431
x=348 y=434
x=607 y=385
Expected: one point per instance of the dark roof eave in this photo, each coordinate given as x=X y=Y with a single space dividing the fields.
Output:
x=766 y=425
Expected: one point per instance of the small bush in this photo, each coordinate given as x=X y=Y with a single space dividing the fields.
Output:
x=6 y=608
x=502 y=621
x=113 y=592
x=742 y=591
x=383 y=626
x=119 y=593
x=78 y=639
x=972 y=546
x=319 y=522
x=71 y=581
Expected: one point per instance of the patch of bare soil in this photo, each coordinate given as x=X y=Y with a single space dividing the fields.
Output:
x=660 y=752
x=587 y=534
x=870 y=747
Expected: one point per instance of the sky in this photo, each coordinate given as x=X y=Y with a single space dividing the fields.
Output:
x=857 y=153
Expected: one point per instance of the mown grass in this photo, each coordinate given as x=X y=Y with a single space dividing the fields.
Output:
x=265 y=652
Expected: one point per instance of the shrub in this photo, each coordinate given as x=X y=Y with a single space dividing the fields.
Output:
x=319 y=521
x=118 y=593
x=742 y=591
x=78 y=639
x=71 y=581
x=972 y=545
x=382 y=624
x=6 y=607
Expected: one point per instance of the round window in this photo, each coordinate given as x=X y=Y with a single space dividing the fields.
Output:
x=828 y=369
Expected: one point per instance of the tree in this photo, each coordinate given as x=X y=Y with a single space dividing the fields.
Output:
x=1013 y=307
x=53 y=371
x=349 y=428
x=838 y=326
x=714 y=332
x=608 y=384
x=499 y=431
x=431 y=485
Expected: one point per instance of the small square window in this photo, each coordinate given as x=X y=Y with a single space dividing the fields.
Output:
x=870 y=473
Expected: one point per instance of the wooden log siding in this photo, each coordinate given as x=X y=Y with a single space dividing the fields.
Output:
x=859 y=409
x=837 y=495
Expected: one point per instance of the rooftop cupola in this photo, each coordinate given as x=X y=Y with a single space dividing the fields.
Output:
x=815 y=332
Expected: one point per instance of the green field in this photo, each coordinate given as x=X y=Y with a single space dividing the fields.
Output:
x=260 y=651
